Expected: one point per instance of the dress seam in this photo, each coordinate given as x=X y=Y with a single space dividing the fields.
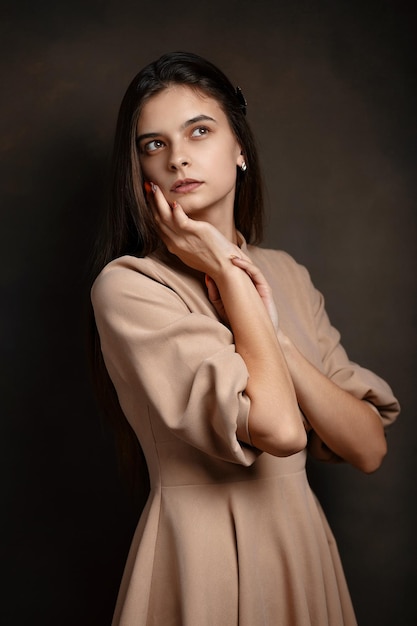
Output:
x=234 y=482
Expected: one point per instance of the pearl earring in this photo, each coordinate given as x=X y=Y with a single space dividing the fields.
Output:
x=243 y=167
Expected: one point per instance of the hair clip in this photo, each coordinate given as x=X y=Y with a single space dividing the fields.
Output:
x=242 y=101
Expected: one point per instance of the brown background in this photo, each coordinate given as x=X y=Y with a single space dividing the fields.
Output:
x=332 y=100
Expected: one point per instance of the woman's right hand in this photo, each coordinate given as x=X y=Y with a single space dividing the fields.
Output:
x=198 y=244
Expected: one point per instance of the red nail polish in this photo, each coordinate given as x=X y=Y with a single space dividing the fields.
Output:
x=147 y=186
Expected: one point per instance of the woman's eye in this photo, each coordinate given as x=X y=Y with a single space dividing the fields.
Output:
x=200 y=131
x=153 y=145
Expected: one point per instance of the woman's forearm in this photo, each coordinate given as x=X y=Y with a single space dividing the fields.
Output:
x=275 y=424
x=348 y=426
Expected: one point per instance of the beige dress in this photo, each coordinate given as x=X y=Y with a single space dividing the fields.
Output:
x=229 y=536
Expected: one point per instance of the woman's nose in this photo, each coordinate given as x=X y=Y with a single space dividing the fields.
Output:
x=178 y=159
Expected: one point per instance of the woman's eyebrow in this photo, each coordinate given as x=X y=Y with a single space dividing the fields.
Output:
x=147 y=136
x=193 y=120
x=198 y=118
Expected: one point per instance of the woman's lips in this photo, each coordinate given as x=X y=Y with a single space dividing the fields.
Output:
x=185 y=186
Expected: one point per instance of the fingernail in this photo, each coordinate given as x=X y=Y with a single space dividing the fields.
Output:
x=153 y=187
x=174 y=204
x=147 y=187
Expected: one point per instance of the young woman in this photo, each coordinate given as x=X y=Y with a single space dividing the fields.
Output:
x=226 y=368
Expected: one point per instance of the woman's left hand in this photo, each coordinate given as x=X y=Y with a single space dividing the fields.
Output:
x=261 y=284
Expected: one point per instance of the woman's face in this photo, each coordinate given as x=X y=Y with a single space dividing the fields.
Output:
x=187 y=148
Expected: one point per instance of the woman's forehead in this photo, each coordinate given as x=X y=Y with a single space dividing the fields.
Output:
x=176 y=104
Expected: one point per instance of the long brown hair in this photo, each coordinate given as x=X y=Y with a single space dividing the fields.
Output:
x=128 y=225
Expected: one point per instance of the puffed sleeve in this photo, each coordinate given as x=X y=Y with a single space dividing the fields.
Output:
x=179 y=366
x=357 y=380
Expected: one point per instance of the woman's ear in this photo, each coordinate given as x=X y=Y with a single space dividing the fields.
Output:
x=241 y=162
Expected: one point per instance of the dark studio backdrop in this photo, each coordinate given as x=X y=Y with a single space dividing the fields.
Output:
x=332 y=101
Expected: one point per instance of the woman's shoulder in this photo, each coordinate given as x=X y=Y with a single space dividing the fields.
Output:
x=154 y=275
x=272 y=254
x=278 y=261
x=127 y=270
x=129 y=266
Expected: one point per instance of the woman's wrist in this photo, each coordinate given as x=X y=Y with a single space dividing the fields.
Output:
x=226 y=274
